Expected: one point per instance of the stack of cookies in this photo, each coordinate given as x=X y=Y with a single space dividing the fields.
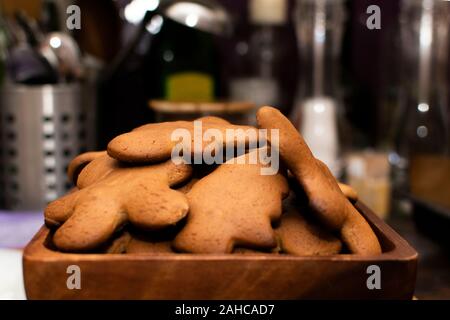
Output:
x=138 y=198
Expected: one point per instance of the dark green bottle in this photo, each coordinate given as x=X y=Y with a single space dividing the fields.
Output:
x=182 y=64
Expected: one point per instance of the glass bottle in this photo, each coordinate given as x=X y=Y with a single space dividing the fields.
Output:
x=264 y=76
x=319 y=28
x=182 y=64
x=422 y=139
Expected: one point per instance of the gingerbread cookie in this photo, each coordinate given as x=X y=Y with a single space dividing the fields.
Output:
x=132 y=242
x=233 y=206
x=301 y=236
x=325 y=198
x=111 y=194
x=247 y=251
x=142 y=246
x=153 y=142
x=198 y=172
x=119 y=244
x=81 y=161
x=348 y=191
x=154 y=242
x=185 y=188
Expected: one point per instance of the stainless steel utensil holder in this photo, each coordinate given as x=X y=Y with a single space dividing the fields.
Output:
x=42 y=129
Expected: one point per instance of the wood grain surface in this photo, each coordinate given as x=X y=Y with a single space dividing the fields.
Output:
x=228 y=276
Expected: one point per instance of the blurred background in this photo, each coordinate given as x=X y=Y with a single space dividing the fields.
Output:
x=365 y=82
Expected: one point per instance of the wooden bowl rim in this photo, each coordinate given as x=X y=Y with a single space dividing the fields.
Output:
x=400 y=249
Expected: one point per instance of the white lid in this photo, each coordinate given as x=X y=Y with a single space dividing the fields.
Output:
x=268 y=11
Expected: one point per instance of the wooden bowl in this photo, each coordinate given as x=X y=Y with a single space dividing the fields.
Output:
x=225 y=276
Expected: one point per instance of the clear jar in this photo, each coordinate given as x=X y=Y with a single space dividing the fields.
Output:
x=317 y=110
x=422 y=131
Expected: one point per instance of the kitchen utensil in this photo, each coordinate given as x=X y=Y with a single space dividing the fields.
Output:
x=49 y=20
x=42 y=129
x=100 y=20
x=25 y=64
x=63 y=48
x=29 y=26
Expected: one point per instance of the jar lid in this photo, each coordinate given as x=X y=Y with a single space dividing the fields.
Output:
x=165 y=106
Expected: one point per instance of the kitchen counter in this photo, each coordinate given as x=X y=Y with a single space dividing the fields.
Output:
x=433 y=279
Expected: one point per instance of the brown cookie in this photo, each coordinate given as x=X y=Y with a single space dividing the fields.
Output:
x=142 y=246
x=152 y=242
x=110 y=194
x=81 y=161
x=185 y=188
x=325 y=198
x=198 y=172
x=119 y=244
x=348 y=191
x=153 y=142
x=234 y=205
x=132 y=241
x=301 y=236
x=247 y=251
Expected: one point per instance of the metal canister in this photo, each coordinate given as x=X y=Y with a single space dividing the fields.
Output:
x=42 y=129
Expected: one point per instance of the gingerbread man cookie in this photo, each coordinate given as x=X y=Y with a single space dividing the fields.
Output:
x=79 y=162
x=301 y=236
x=321 y=188
x=153 y=142
x=233 y=206
x=111 y=194
x=348 y=191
